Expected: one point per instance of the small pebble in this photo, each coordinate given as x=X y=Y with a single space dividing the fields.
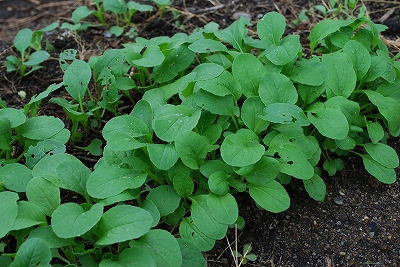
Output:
x=339 y=200
x=239 y=14
x=342 y=253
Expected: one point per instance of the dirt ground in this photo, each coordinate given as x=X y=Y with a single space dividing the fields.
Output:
x=359 y=222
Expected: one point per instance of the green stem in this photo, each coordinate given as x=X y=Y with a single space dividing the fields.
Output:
x=235 y=122
x=155 y=178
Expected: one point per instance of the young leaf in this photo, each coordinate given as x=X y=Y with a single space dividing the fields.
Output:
x=285 y=113
x=383 y=154
x=71 y=220
x=242 y=148
x=110 y=180
x=15 y=177
x=277 y=88
x=36 y=58
x=375 y=132
x=9 y=211
x=271 y=28
x=152 y=57
x=75 y=175
x=264 y=171
x=224 y=84
x=350 y=109
x=204 y=220
x=125 y=124
x=360 y=57
x=29 y=214
x=137 y=256
x=191 y=233
x=165 y=198
x=311 y=73
x=52 y=240
x=171 y=121
x=23 y=40
x=330 y=122
x=183 y=185
x=162 y=246
x=286 y=51
x=218 y=183
x=163 y=156
x=383 y=174
x=33 y=252
x=342 y=75
x=43 y=149
x=207 y=46
x=234 y=33
x=221 y=105
x=122 y=223
x=315 y=188
x=377 y=68
x=76 y=79
x=40 y=128
x=44 y=194
x=251 y=109
x=191 y=255
x=223 y=208
x=271 y=196
x=16 y=117
x=144 y=112
x=323 y=29
x=248 y=70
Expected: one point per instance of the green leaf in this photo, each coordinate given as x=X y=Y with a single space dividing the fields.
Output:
x=183 y=185
x=76 y=79
x=315 y=188
x=16 y=117
x=29 y=214
x=123 y=141
x=5 y=134
x=162 y=246
x=383 y=154
x=125 y=124
x=23 y=40
x=383 y=174
x=248 y=70
x=110 y=180
x=72 y=220
x=350 y=109
x=271 y=28
x=242 y=148
x=191 y=233
x=375 y=132
x=191 y=255
x=311 y=73
x=218 y=183
x=277 y=88
x=136 y=256
x=33 y=252
x=144 y=112
x=122 y=223
x=271 y=196
x=165 y=198
x=285 y=113
x=221 y=105
x=389 y=108
x=52 y=240
x=117 y=7
x=75 y=175
x=204 y=220
x=322 y=30
x=223 y=208
x=9 y=211
x=171 y=121
x=342 y=75
x=234 y=33
x=377 y=68
x=163 y=156
x=286 y=51
x=15 y=177
x=222 y=85
x=207 y=71
x=44 y=194
x=360 y=57
x=207 y=46
x=152 y=57
x=264 y=171
x=192 y=148
x=43 y=149
x=251 y=109
x=36 y=58
x=330 y=122
x=40 y=128
x=81 y=13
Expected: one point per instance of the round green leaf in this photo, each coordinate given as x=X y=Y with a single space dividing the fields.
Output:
x=330 y=123
x=375 y=131
x=271 y=196
x=242 y=148
x=315 y=187
x=251 y=109
x=131 y=257
x=285 y=113
x=44 y=194
x=383 y=154
x=33 y=252
x=36 y=58
x=23 y=40
x=277 y=88
x=264 y=171
x=75 y=175
x=29 y=214
x=207 y=46
x=218 y=183
x=223 y=208
x=47 y=234
x=15 y=116
x=271 y=28
x=122 y=223
x=15 y=176
x=191 y=255
x=72 y=220
x=163 y=156
x=165 y=198
x=40 y=128
x=125 y=124
x=191 y=233
x=383 y=174
x=183 y=185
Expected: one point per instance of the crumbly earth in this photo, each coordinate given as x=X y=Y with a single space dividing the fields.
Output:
x=358 y=224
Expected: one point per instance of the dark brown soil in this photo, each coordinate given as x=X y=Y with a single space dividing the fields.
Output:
x=359 y=222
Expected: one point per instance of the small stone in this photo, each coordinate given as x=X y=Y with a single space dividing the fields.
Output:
x=339 y=200
x=239 y=14
x=342 y=253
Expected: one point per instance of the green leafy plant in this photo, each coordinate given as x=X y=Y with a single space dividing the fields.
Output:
x=29 y=61
x=222 y=114
x=245 y=256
